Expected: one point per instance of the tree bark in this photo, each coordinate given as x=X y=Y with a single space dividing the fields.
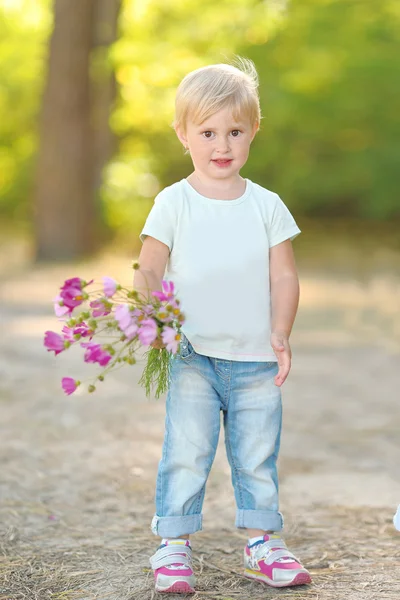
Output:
x=105 y=33
x=76 y=139
x=64 y=202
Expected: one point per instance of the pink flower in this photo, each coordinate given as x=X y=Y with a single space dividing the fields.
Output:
x=164 y=316
x=60 y=310
x=103 y=358
x=69 y=385
x=167 y=293
x=159 y=295
x=100 y=308
x=126 y=322
x=82 y=330
x=68 y=333
x=72 y=296
x=54 y=342
x=173 y=304
x=110 y=286
x=147 y=332
x=131 y=330
x=148 y=310
x=76 y=282
x=73 y=282
x=171 y=339
x=95 y=353
x=72 y=293
x=123 y=316
x=168 y=287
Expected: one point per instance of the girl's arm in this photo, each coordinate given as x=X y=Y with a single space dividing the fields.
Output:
x=284 y=287
x=152 y=260
x=285 y=293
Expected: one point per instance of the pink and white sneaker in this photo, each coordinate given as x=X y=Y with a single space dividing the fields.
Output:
x=172 y=566
x=268 y=560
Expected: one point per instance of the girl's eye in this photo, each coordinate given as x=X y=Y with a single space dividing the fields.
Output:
x=207 y=134
x=236 y=133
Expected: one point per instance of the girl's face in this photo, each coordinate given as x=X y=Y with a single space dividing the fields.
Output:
x=220 y=146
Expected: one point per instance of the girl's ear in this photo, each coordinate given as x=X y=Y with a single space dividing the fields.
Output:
x=181 y=136
x=255 y=129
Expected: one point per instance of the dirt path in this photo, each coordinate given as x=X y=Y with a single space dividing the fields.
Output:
x=77 y=473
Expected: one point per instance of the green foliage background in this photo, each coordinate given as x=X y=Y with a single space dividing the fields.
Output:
x=330 y=87
x=24 y=29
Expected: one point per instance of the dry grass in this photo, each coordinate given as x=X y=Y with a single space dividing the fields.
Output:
x=349 y=554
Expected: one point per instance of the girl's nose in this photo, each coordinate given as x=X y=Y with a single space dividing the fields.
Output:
x=223 y=144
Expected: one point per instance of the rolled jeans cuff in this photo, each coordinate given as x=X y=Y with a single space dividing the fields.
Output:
x=267 y=520
x=175 y=526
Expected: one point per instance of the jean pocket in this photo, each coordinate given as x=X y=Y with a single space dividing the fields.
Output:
x=186 y=351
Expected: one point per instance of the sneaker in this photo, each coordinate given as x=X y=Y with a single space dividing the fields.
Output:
x=172 y=566
x=268 y=560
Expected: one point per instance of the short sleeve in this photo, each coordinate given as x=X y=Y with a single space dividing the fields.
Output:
x=282 y=225
x=160 y=223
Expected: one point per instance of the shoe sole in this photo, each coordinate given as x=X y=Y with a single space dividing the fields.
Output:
x=178 y=587
x=300 y=579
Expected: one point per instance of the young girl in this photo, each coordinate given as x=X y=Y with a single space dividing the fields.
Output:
x=226 y=244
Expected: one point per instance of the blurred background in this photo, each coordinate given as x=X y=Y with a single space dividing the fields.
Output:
x=86 y=99
x=86 y=102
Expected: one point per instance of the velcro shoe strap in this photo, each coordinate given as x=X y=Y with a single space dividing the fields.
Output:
x=274 y=543
x=275 y=554
x=170 y=555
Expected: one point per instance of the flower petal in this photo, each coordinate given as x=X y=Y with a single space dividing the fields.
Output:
x=54 y=342
x=69 y=385
x=109 y=286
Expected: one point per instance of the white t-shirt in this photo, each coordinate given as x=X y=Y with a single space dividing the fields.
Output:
x=219 y=263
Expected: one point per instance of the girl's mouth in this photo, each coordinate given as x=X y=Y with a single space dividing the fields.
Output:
x=222 y=162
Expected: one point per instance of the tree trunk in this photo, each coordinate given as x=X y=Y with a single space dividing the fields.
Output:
x=64 y=204
x=76 y=140
x=105 y=33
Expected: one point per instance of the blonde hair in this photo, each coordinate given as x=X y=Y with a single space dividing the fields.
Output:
x=207 y=90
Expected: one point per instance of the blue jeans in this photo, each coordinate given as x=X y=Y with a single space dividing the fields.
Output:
x=200 y=387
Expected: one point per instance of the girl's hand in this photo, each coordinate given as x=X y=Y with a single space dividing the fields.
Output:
x=281 y=347
x=158 y=344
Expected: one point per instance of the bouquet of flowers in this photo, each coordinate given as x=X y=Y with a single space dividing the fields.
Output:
x=113 y=325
